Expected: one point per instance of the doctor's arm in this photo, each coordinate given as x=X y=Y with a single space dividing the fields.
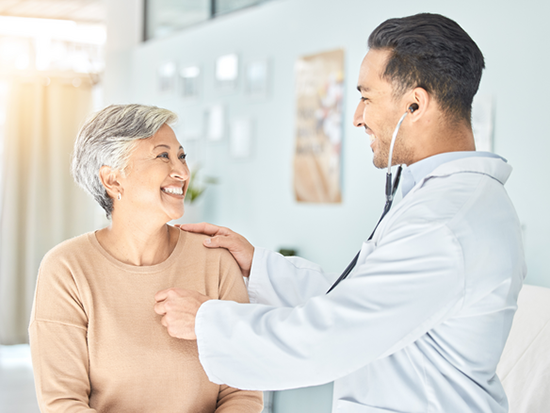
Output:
x=411 y=282
x=231 y=287
x=273 y=279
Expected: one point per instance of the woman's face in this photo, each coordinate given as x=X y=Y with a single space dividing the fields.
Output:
x=156 y=178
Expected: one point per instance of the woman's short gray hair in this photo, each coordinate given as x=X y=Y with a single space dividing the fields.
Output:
x=107 y=138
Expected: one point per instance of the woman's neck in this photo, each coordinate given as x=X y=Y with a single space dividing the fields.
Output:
x=138 y=244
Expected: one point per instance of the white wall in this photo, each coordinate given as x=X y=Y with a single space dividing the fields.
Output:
x=255 y=196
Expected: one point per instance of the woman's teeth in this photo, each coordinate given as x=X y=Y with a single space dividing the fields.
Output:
x=176 y=191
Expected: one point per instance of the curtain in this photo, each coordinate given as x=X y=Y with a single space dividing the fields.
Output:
x=40 y=204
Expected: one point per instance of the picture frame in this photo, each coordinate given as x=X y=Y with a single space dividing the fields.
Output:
x=483 y=122
x=240 y=138
x=166 y=77
x=215 y=122
x=256 y=79
x=189 y=78
x=227 y=72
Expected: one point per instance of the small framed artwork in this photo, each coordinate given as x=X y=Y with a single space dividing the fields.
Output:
x=189 y=80
x=166 y=74
x=227 y=72
x=241 y=138
x=256 y=79
x=482 y=122
x=191 y=123
x=318 y=128
x=215 y=123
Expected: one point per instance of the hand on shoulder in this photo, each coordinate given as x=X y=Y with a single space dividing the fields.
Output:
x=221 y=237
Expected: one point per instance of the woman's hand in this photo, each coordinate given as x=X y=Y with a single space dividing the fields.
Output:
x=221 y=237
x=178 y=308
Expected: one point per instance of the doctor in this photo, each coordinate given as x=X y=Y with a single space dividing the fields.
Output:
x=420 y=323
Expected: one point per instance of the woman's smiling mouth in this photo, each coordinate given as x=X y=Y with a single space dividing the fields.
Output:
x=173 y=190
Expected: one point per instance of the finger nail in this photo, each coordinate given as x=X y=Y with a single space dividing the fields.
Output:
x=207 y=241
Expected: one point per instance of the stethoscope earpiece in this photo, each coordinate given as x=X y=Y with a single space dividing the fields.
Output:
x=413 y=107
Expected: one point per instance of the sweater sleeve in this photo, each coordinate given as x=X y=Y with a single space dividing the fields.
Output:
x=58 y=341
x=232 y=288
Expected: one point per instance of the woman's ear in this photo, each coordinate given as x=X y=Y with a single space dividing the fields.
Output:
x=109 y=179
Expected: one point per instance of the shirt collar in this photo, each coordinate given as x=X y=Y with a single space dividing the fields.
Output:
x=417 y=171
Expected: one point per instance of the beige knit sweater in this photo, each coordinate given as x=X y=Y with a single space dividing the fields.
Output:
x=98 y=346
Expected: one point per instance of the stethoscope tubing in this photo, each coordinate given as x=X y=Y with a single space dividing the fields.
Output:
x=390 y=190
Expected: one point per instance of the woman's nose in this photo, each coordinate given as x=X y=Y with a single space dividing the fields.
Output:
x=180 y=171
x=358 y=120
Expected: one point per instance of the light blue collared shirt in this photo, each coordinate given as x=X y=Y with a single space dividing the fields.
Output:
x=417 y=171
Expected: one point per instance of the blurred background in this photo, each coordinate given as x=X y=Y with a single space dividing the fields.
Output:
x=229 y=68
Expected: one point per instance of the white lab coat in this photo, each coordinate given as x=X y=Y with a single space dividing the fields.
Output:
x=419 y=325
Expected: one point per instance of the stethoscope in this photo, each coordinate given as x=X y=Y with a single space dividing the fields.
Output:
x=391 y=188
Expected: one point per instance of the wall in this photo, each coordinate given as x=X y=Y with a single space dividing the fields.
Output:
x=255 y=196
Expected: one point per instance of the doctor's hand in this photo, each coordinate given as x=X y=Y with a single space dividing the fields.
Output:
x=221 y=237
x=178 y=308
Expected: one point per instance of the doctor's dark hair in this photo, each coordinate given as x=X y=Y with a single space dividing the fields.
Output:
x=432 y=52
x=108 y=138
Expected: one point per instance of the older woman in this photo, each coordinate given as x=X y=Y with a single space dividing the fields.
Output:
x=97 y=345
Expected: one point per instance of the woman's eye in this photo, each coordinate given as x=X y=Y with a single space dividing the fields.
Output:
x=183 y=156
x=163 y=155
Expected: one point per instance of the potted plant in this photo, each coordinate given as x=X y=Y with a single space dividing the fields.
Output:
x=196 y=187
x=194 y=205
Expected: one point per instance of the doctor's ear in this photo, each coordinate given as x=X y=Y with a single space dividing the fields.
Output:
x=109 y=179
x=419 y=101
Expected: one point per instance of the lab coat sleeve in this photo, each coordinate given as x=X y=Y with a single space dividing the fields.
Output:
x=411 y=282
x=285 y=281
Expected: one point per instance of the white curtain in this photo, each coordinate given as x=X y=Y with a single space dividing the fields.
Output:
x=41 y=205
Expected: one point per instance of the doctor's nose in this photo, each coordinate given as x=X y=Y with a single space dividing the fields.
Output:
x=358 y=120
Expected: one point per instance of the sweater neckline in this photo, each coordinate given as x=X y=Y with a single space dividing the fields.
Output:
x=141 y=269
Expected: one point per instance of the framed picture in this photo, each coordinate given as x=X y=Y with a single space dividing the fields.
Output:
x=191 y=122
x=319 y=113
x=189 y=81
x=215 y=122
x=166 y=74
x=227 y=72
x=240 y=135
x=256 y=79
x=482 y=122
